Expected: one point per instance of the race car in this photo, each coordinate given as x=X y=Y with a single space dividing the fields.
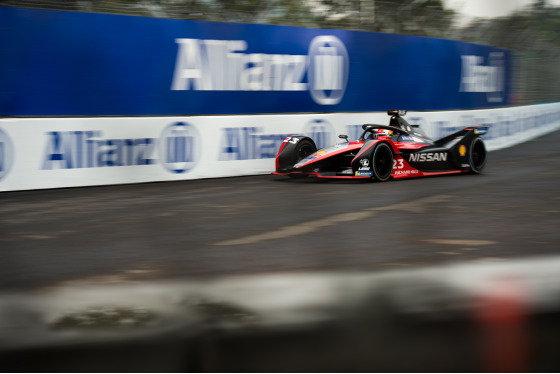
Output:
x=396 y=151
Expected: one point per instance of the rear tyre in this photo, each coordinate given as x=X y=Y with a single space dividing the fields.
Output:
x=382 y=162
x=477 y=156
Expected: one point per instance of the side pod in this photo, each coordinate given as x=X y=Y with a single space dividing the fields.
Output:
x=361 y=164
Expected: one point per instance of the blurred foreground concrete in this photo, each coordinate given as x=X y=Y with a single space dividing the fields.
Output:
x=501 y=316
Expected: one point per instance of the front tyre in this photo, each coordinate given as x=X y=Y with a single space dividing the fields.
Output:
x=382 y=162
x=477 y=156
x=304 y=148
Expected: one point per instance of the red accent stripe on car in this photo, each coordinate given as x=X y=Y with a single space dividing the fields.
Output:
x=363 y=150
x=280 y=150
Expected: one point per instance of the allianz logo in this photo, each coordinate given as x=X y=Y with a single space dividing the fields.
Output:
x=178 y=149
x=222 y=65
x=478 y=77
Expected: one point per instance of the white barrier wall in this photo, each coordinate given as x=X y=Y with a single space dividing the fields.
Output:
x=37 y=153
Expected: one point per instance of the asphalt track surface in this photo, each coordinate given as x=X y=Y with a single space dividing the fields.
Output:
x=265 y=224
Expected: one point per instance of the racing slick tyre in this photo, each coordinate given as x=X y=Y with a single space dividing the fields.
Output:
x=382 y=162
x=304 y=148
x=477 y=155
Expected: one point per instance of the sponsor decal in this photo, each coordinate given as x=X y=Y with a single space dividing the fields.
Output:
x=88 y=149
x=223 y=65
x=486 y=78
x=291 y=139
x=361 y=173
x=381 y=132
x=462 y=150
x=250 y=143
x=480 y=131
x=328 y=69
x=406 y=138
x=427 y=157
x=178 y=150
x=406 y=172
x=319 y=153
x=6 y=154
x=365 y=164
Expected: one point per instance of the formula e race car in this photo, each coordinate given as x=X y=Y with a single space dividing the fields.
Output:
x=399 y=150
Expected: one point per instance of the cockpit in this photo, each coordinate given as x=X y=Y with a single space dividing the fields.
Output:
x=399 y=130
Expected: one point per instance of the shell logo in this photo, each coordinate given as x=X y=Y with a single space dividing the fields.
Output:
x=462 y=150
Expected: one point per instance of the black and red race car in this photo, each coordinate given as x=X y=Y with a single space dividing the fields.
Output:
x=399 y=150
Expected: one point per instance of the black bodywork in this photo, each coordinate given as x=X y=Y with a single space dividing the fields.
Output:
x=398 y=150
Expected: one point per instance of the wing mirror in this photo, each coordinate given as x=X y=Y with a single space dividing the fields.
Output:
x=345 y=137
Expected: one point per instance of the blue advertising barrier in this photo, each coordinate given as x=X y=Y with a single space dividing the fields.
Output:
x=56 y=63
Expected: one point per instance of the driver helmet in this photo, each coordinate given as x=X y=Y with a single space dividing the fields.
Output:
x=384 y=132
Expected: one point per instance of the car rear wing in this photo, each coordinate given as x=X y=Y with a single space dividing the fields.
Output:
x=476 y=131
